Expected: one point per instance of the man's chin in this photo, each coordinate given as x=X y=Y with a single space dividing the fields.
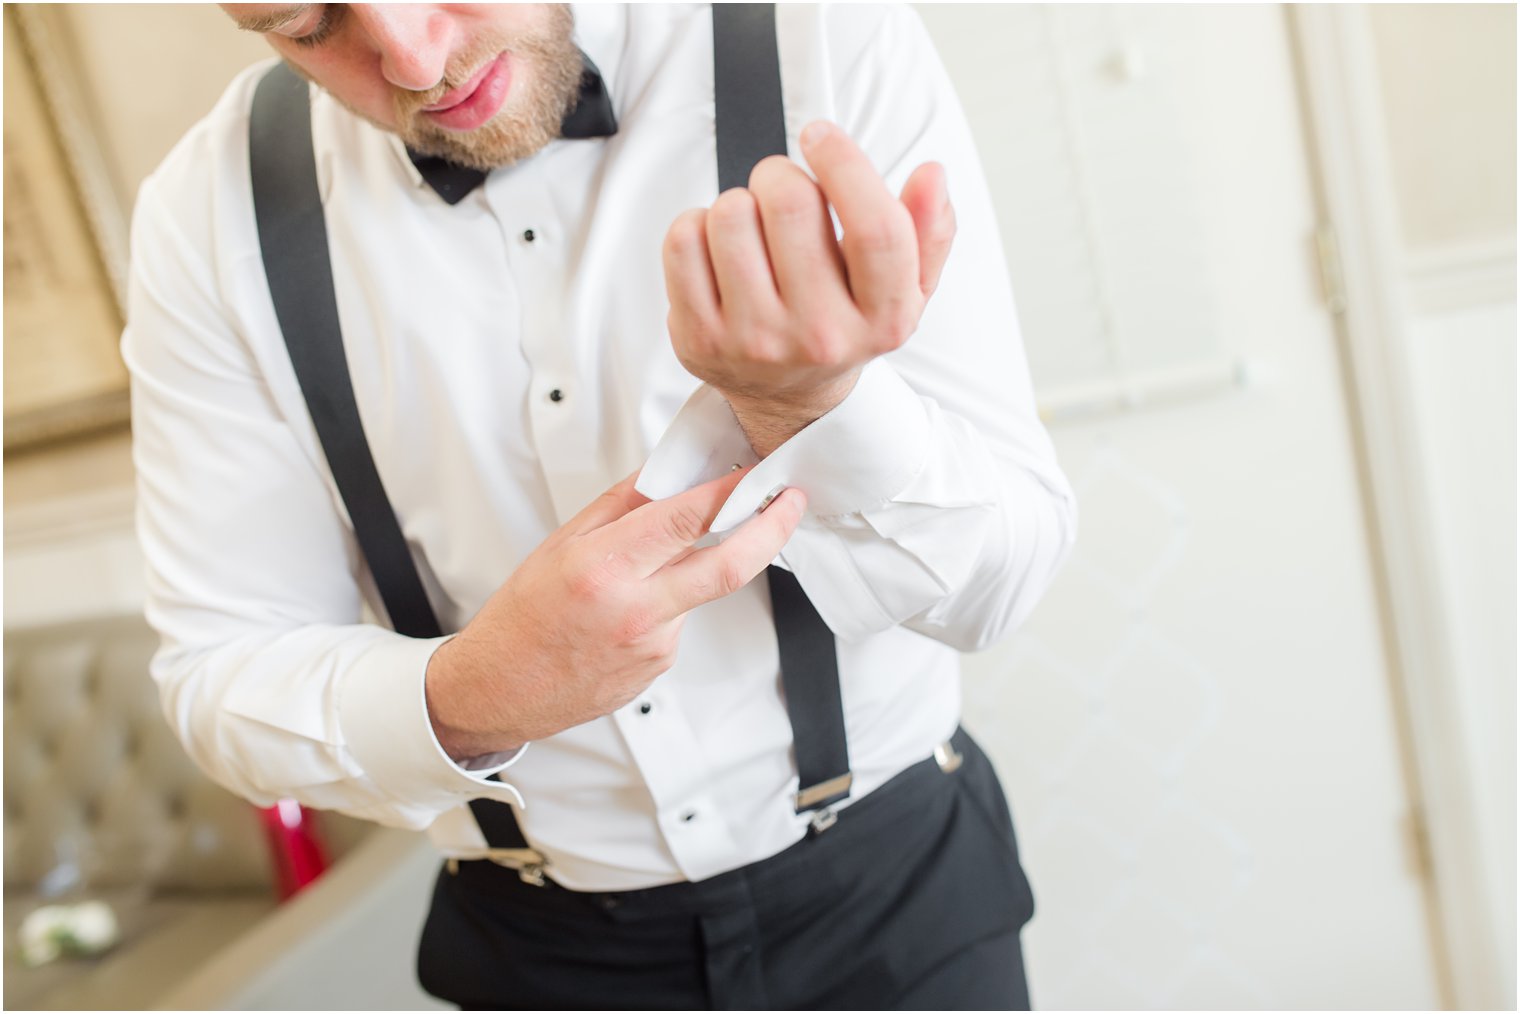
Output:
x=502 y=142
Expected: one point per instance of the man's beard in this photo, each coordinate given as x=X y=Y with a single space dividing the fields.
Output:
x=546 y=73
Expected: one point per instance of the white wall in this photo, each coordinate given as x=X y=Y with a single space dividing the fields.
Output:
x=1196 y=727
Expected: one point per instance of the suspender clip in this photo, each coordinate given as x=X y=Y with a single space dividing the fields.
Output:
x=824 y=793
x=823 y=819
x=529 y=863
x=821 y=799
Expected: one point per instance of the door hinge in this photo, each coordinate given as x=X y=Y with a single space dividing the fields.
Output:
x=1332 y=279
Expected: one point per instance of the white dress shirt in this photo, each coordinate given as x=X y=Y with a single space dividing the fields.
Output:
x=937 y=511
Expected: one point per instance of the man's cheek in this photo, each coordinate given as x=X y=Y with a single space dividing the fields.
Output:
x=357 y=82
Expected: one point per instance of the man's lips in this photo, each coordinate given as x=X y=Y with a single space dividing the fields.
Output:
x=475 y=101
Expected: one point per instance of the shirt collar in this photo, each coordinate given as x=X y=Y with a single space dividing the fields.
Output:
x=591 y=116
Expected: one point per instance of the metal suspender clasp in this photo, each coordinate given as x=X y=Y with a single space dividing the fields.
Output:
x=529 y=863
x=947 y=757
x=821 y=798
x=823 y=819
x=532 y=874
x=824 y=792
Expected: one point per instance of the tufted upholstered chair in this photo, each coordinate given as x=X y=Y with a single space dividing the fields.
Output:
x=102 y=802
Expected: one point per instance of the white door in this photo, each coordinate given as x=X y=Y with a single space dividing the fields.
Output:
x=1197 y=728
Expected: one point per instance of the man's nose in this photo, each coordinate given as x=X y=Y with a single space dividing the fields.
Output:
x=414 y=41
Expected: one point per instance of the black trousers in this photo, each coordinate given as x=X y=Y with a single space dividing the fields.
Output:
x=913 y=900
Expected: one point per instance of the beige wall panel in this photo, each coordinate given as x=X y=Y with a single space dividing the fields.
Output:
x=152 y=71
x=1447 y=74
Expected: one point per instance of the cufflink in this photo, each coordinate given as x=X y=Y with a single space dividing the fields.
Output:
x=768 y=498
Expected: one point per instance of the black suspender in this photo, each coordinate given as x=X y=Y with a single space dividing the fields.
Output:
x=293 y=238
x=751 y=121
x=751 y=124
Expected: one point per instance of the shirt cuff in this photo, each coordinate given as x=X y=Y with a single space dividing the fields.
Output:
x=857 y=456
x=382 y=711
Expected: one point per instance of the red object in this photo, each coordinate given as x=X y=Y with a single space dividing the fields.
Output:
x=294 y=846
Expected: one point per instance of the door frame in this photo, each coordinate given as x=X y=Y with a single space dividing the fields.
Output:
x=1366 y=287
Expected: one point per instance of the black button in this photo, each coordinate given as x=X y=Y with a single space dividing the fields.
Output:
x=645 y=708
x=556 y=395
x=689 y=816
x=529 y=235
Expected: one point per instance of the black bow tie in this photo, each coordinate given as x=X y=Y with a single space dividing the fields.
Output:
x=592 y=116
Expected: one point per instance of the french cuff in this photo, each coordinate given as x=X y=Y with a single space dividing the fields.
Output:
x=383 y=714
x=857 y=456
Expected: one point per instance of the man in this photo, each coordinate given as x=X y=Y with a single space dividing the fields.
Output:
x=517 y=342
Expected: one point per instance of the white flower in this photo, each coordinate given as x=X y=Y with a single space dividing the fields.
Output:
x=93 y=926
x=87 y=928
x=41 y=932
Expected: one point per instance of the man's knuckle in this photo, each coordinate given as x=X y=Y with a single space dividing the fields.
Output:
x=794 y=209
x=733 y=208
x=663 y=646
x=790 y=198
x=685 y=235
x=874 y=238
x=722 y=578
x=650 y=654
x=902 y=317
x=886 y=232
x=896 y=320
x=770 y=172
x=729 y=577
x=767 y=350
x=691 y=330
x=632 y=628
x=683 y=523
x=588 y=582
x=824 y=332
x=834 y=357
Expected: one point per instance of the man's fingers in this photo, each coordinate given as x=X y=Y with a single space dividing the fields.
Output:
x=650 y=537
x=736 y=243
x=799 y=235
x=880 y=246
x=928 y=201
x=607 y=508
x=720 y=570
x=689 y=281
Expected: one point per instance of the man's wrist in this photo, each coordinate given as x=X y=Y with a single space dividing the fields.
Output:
x=440 y=690
x=770 y=421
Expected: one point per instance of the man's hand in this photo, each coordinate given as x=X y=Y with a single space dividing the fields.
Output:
x=772 y=311
x=593 y=615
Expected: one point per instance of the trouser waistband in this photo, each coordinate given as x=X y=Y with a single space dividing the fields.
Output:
x=868 y=818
